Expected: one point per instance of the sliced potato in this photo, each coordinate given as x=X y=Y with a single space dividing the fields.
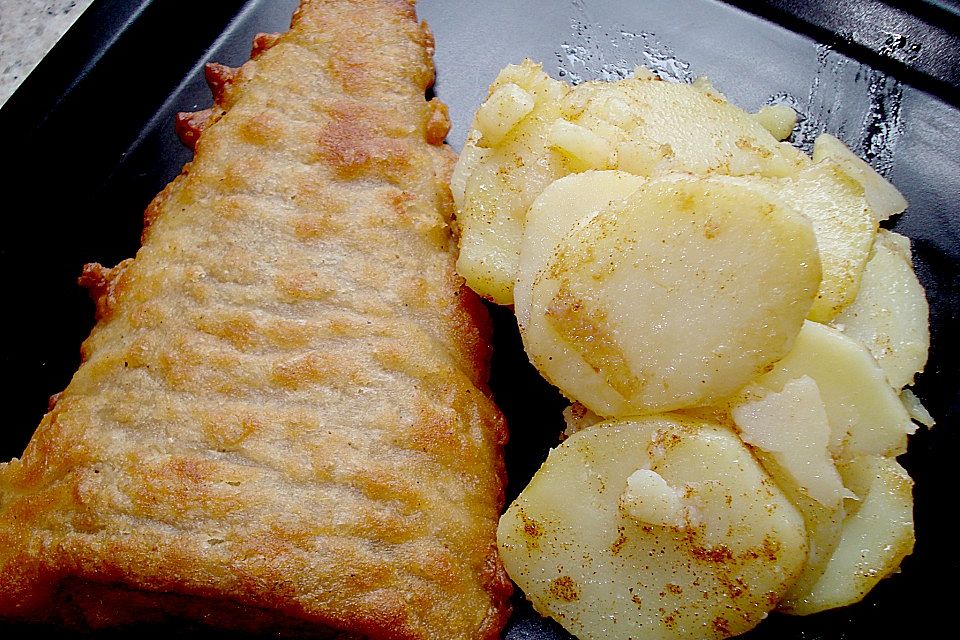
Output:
x=677 y=296
x=504 y=109
x=844 y=226
x=579 y=542
x=823 y=524
x=875 y=538
x=643 y=126
x=791 y=425
x=703 y=132
x=499 y=186
x=790 y=434
x=883 y=197
x=563 y=206
x=865 y=414
x=890 y=315
x=466 y=164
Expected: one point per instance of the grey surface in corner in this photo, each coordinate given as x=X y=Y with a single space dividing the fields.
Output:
x=28 y=30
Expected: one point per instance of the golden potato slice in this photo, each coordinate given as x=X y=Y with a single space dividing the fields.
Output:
x=792 y=426
x=677 y=296
x=883 y=197
x=822 y=523
x=499 y=185
x=697 y=129
x=790 y=434
x=580 y=542
x=562 y=207
x=876 y=536
x=844 y=227
x=865 y=413
x=890 y=315
x=533 y=130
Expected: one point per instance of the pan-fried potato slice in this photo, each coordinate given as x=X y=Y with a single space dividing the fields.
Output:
x=533 y=129
x=677 y=296
x=792 y=426
x=876 y=536
x=499 y=181
x=656 y=527
x=790 y=434
x=691 y=128
x=883 y=197
x=822 y=523
x=865 y=414
x=563 y=206
x=890 y=315
x=844 y=226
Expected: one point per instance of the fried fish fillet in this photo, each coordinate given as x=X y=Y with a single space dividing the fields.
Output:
x=281 y=422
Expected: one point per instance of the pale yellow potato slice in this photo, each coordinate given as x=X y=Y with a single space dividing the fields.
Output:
x=883 y=197
x=865 y=413
x=677 y=296
x=792 y=426
x=501 y=181
x=790 y=434
x=578 y=540
x=643 y=126
x=563 y=206
x=467 y=162
x=876 y=536
x=503 y=110
x=697 y=128
x=890 y=315
x=844 y=226
x=822 y=523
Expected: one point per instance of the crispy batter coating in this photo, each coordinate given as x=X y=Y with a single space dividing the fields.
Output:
x=281 y=421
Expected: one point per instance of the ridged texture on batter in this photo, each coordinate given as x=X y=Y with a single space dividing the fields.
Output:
x=281 y=421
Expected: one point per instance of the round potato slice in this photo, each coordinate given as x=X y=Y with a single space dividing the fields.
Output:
x=563 y=206
x=675 y=297
x=876 y=536
x=890 y=315
x=865 y=413
x=499 y=181
x=844 y=227
x=692 y=127
x=660 y=527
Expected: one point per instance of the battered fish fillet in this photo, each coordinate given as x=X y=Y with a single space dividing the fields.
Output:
x=281 y=422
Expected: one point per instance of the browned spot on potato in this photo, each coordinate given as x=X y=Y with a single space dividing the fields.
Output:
x=721 y=625
x=565 y=588
x=621 y=540
x=719 y=554
x=584 y=327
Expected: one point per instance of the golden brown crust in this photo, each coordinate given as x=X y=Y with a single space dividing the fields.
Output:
x=281 y=422
x=262 y=42
x=188 y=125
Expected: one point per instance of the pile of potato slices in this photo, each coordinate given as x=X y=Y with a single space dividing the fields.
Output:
x=735 y=333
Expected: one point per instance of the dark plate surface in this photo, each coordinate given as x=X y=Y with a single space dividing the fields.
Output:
x=90 y=141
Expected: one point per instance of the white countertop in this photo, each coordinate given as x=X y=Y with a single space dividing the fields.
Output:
x=28 y=30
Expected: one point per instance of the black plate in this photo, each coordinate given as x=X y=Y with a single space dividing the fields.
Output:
x=90 y=141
